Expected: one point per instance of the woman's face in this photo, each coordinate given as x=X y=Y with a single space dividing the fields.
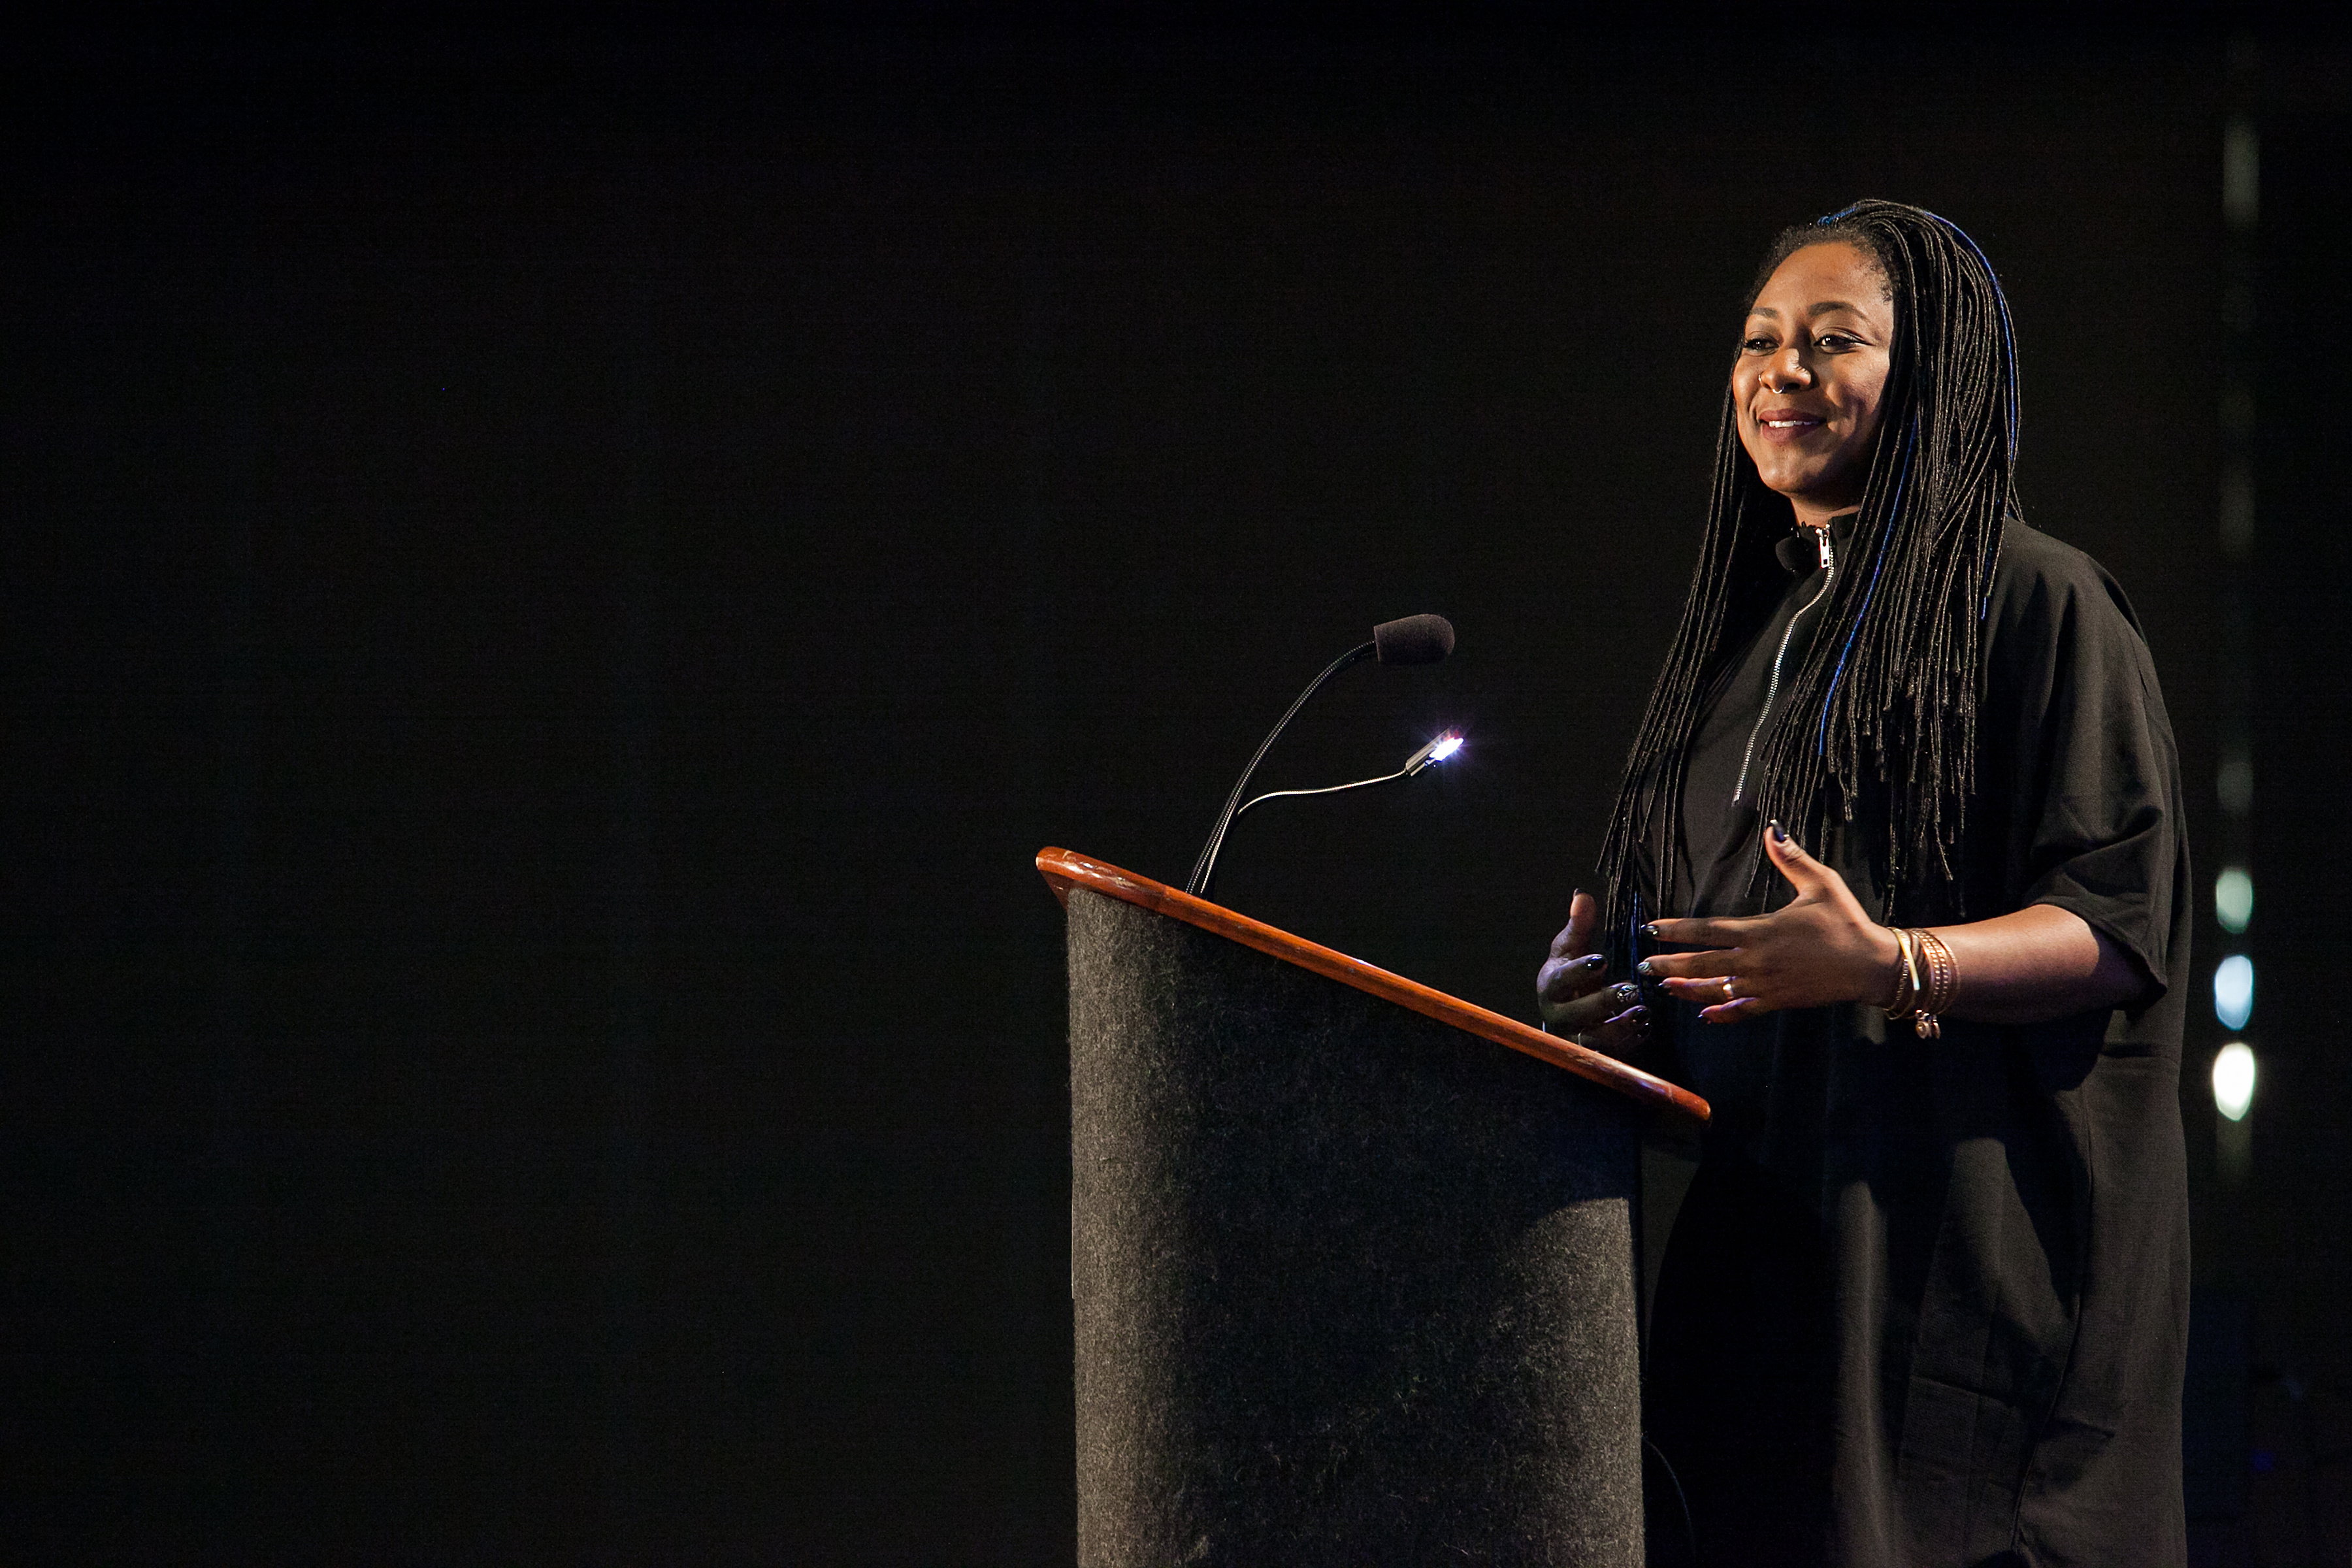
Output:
x=1811 y=376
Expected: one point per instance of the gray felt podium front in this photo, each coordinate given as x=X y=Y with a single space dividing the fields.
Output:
x=1352 y=1261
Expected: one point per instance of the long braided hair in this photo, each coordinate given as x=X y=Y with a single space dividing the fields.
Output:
x=1885 y=702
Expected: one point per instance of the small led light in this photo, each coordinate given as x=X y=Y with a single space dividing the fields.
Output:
x=2233 y=899
x=1436 y=750
x=2234 y=1079
x=2234 y=991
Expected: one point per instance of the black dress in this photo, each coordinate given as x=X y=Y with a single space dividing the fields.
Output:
x=1927 y=1301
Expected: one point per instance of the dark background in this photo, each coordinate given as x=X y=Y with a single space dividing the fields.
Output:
x=556 y=578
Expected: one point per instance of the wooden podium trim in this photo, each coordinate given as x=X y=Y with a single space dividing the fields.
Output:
x=1063 y=870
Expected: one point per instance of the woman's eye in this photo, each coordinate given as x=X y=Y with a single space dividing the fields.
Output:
x=1756 y=345
x=1835 y=343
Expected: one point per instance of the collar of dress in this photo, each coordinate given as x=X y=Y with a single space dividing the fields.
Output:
x=1798 y=554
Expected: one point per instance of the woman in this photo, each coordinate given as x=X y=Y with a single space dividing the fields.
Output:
x=1928 y=1296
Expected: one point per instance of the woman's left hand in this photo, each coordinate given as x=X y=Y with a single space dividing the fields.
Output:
x=1818 y=949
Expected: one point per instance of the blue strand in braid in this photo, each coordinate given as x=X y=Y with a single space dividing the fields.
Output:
x=2008 y=335
x=1878 y=568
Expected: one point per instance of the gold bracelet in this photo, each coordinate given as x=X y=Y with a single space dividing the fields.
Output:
x=1944 y=975
x=1893 y=1005
x=1913 y=986
x=1926 y=982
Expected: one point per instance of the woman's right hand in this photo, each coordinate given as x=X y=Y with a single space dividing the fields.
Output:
x=1569 y=993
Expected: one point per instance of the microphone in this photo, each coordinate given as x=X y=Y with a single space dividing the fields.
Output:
x=1413 y=639
x=1416 y=639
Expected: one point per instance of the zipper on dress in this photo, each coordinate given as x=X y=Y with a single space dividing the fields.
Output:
x=1772 y=690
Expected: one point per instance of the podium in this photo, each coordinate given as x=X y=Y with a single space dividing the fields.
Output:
x=1352 y=1261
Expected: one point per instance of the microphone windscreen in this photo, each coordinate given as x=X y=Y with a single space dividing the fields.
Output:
x=1416 y=639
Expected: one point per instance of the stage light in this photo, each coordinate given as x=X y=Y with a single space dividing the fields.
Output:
x=2234 y=991
x=2234 y=1079
x=2233 y=899
x=2235 y=782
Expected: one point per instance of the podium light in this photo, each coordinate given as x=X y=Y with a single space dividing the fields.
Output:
x=2234 y=1079
x=2234 y=991
x=1437 y=751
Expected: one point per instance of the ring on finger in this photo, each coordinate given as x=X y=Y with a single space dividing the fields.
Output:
x=1730 y=987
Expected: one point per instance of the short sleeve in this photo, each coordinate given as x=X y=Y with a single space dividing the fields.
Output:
x=2081 y=755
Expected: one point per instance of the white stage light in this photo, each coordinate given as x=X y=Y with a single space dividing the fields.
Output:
x=2234 y=1079
x=2233 y=899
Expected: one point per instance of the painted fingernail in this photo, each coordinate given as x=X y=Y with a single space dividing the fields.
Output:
x=1592 y=960
x=1639 y=1015
x=1779 y=834
x=1645 y=969
x=1650 y=929
x=1626 y=991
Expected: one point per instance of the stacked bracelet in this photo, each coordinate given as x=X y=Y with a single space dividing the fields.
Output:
x=1904 y=973
x=1926 y=980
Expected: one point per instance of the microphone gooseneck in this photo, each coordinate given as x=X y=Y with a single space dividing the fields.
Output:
x=1415 y=639
x=1203 y=868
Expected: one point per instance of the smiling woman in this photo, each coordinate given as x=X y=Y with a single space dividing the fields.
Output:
x=1811 y=374
x=1925 y=1301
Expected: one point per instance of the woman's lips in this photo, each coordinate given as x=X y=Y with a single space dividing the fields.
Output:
x=1789 y=424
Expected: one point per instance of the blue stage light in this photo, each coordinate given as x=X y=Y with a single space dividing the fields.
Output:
x=2234 y=991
